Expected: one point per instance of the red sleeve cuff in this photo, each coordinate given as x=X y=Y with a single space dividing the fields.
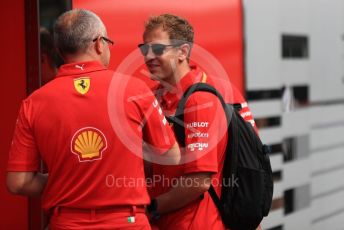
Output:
x=203 y=168
x=21 y=167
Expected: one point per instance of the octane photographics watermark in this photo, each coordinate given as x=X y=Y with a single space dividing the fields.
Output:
x=133 y=65
x=161 y=181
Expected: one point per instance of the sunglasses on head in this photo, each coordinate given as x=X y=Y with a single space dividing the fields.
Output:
x=157 y=49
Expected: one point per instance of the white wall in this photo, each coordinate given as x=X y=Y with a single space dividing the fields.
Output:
x=321 y=122
x=262 y=43
x=327 y=50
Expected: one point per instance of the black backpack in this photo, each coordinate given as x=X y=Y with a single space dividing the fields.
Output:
x=242 y=207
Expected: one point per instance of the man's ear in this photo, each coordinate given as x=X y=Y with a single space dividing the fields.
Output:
x=98 y=45
x=184 y=51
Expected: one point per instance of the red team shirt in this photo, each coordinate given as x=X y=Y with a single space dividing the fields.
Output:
x=66 y=123
x=206 y=136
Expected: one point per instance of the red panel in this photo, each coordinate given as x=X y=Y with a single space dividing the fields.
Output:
x=14 y=209
x=217 y=25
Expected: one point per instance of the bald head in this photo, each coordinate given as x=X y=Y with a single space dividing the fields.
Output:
x=75 y=30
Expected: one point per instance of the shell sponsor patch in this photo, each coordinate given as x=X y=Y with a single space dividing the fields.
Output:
x=82 y=85
x=88 y=144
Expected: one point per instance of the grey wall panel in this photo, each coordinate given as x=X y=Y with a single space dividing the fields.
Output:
x=262 y=41
x=326 y=46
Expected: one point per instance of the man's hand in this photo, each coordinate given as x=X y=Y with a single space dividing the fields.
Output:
x=184 y=193
x=170 y=157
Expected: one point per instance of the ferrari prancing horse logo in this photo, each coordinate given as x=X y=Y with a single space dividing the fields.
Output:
x=82 y=85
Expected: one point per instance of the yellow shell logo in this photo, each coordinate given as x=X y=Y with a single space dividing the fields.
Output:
x=88 y=144
x=82 y=85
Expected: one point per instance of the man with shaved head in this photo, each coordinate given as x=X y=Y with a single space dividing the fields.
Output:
x=95 y=177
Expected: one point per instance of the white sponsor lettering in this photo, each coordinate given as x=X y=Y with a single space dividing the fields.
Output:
x=199 y=146
x=192 y=135
x=164 y=121
x=160 y=111
x=155 y=103
x=246 y=114
x=244 y=105
x=197 y=124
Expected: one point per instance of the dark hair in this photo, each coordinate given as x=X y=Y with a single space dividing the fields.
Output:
x=47 y=44
x=178 y=28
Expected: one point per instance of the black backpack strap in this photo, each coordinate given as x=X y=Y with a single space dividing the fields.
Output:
x=178 y=119
x=179 y=128
x=215 y=198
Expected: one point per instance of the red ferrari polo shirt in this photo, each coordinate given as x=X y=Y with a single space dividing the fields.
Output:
x=82 y=124
x=205 y=140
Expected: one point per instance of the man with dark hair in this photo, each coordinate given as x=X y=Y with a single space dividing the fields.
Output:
x=95 y=178
x=184 y=203
x=48 y=51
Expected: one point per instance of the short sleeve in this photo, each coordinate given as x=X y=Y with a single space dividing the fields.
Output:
x=205 y=132
x=23 y=155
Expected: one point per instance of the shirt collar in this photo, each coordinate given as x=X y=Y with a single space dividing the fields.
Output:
x=192 y=77
x=172 y=97
x=80 y=68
